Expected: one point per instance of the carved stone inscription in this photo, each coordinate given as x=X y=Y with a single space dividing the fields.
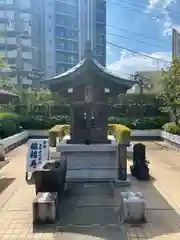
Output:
x=88 y=94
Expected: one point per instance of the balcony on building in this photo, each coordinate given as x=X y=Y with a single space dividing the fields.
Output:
x=66 y=8
x=66 y=33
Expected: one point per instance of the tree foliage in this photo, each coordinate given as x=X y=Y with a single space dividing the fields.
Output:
x=170 y=94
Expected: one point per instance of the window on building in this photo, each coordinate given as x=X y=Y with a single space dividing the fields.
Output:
x=11 y=61
x=26 y=86
x=61 y=44
x=99 y=50
x=61 y=19
x=50 y=41
x=72 y=46
x=26 y=49
x=60 y=57
x=50 y=29
x=60 y=32
x=100 y=39
x=60 y=69
x=72 y=34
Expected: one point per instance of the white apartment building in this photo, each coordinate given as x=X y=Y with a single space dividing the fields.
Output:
x=68 y=25
x=16 y=37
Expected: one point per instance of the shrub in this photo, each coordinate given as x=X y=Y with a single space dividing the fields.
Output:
x=140 y=123
x=120 y=132
x=40 y=122
x=9 y=124
x=172 y=128
x=57 y=131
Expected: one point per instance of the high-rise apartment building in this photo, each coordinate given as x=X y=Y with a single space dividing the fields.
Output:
x=16 y=39
x=92 y=26
x=175 y=43
x=68 y=25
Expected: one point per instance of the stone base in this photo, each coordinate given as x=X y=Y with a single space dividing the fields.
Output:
x=74 y=141
x=45 y=208
x=122 y=183
x=92 y=162
x=134 y=207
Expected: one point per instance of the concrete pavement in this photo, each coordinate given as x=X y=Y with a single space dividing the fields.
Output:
x=162 y=195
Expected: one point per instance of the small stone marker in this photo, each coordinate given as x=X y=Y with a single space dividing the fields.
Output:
x=45 y=207
x=134 y=207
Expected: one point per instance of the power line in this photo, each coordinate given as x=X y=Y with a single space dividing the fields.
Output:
x=137 y=9
x=134 y=33
x=135 y=40
x=158 y=6
x=142 y=54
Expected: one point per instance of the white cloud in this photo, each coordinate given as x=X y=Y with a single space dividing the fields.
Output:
x=108 y=50
x=159 y=3
x=130 y=63
x=161 y=6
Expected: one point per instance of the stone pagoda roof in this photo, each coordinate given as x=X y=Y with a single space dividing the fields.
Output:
x=88 y=68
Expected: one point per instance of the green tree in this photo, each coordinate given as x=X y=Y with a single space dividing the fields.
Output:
x=170 y=94
x=5 y=82
x=45 y=98
x=142 y=82
x=32 y=99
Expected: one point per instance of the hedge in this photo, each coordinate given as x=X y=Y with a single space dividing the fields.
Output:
x=129 y=107
x=172 y=128
x=121 y=133
x=141 y=123
x=9 y=124
x=58 y=131
x=40 y=122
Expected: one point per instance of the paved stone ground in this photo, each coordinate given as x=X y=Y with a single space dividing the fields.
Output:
x=162 y=196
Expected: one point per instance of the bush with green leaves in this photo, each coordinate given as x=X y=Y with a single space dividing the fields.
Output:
x=40 y=122
x=121 y=132
x=140 y=123
x=9 y=124
x=172 y=128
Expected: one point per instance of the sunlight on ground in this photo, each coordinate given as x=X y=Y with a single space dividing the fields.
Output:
x=82 y=236
x=175 y=236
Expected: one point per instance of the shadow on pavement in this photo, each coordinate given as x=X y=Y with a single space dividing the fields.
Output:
x=93 y=215
x=162 y=219
x=3 y=163
x=4 y=183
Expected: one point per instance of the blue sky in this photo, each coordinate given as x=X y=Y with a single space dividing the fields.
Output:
x=148 y=21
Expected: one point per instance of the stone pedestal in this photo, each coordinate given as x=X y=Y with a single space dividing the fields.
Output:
x=134 y=207
x=94 y=162
x=52 y=178
x=45 y=208
x=122 y=161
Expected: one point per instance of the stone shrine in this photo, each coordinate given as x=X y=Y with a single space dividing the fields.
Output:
x=90 y=152
x=88 y=87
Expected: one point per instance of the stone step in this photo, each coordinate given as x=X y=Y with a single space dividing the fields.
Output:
x=86 y=148
x=88 y=216
x=91 y=174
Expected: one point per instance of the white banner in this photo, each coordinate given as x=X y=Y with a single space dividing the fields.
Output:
x=38 y=153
